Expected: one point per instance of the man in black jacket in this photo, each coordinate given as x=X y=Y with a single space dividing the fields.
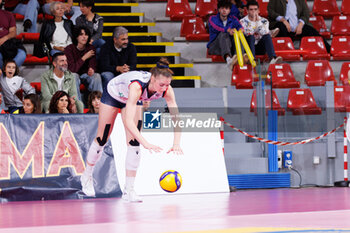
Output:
x=117 y=56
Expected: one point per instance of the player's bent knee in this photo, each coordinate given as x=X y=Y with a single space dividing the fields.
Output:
x=133 y=158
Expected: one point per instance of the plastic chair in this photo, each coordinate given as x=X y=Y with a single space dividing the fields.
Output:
x=178 y=9
x=242 y=77
x=30 y=59
x=263 y=7
x=320 y=25
x=340 y=48
x=205 y=8
x=345 y=7
x=326 y=8
x=315 y=48
x=302 y=102
x=214 y=57
x=193 y=29
x=342 y=99
x=276 y=103
x=284 y=47
x=318 y=72
x=282 y=76
x=37 y=86
x=344 y=72
x=341 y=25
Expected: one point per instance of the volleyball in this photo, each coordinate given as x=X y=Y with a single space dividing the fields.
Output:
x=170 y=181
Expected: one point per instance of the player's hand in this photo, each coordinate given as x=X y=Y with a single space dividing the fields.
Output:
x=176 y=149
x=152 y=148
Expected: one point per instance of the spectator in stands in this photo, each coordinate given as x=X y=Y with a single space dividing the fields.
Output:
x=59 y=78
x=56 y=34
x=93 y=22
x=68 y=9
x=94 y=101
x=221 y=28
x=62 y=103
x=13 y=87
x=31 y=104
x=29 y=9
x=256 y=30
x=10 y=48
x=119 y=56
x=82 y=60
x=292 y=18
x=237 y=9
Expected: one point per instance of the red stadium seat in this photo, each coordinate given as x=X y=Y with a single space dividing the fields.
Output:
x=326 y=8
x=318 y=72
x=342 y=99
x=243 y=76
x=276 y=103
x=341 y=25
x=86 y=110
x=178 y=9
x=204 y=8
x=283 y=47
x=2 y=111
x=315 y=48
x=340 y=48
x=302 y=102
x=282 y=76
x=215 y=58
x=263 y=7
x=320 y=25
x=37 y=86
x=345 y=7
x=30 y=37
x=30 y=59
x=21 y=17
x=193 y=29
x=344 y=73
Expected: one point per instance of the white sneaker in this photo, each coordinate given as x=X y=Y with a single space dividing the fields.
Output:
x=276 y=60
x=231 y=61
x=131 y=196
x=87 y=183
x=274 y=32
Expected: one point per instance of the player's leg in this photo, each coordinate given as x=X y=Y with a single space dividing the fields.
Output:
x=106 y=118
x=132 y=159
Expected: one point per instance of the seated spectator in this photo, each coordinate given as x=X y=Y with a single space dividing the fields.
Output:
x=221 y=28
x=256 y=30
x=31 y=104
x=292 y=18
x=82 y=60
x=94 y=101
x=119 y=56
x=62 y=103
x=56 y=34
x=93 y=22
x=68 y=8
x=237 y=9
x=13 y=87
x=10 y=48
x=29 y=9
x=56 y=79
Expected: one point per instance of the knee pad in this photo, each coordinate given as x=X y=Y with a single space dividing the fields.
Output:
x=133 y=157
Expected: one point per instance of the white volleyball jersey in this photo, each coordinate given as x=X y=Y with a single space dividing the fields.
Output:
x=118 y=87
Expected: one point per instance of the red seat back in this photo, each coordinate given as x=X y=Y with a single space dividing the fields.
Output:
x=326 y=8
x=342 y=99
x=318 y=72
x=243 y=76
x=344 y=73
x=282 y=76
x=315 y=48
x=178 y=9
x=345 y=7
x=37 y=86
x=341 y=25
x=302 y=101
x=193 y=29
x=276 y=103
x=284 y=44
x=320 y=25
x=205 y=8
x=340 y=48
x=263 y=7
